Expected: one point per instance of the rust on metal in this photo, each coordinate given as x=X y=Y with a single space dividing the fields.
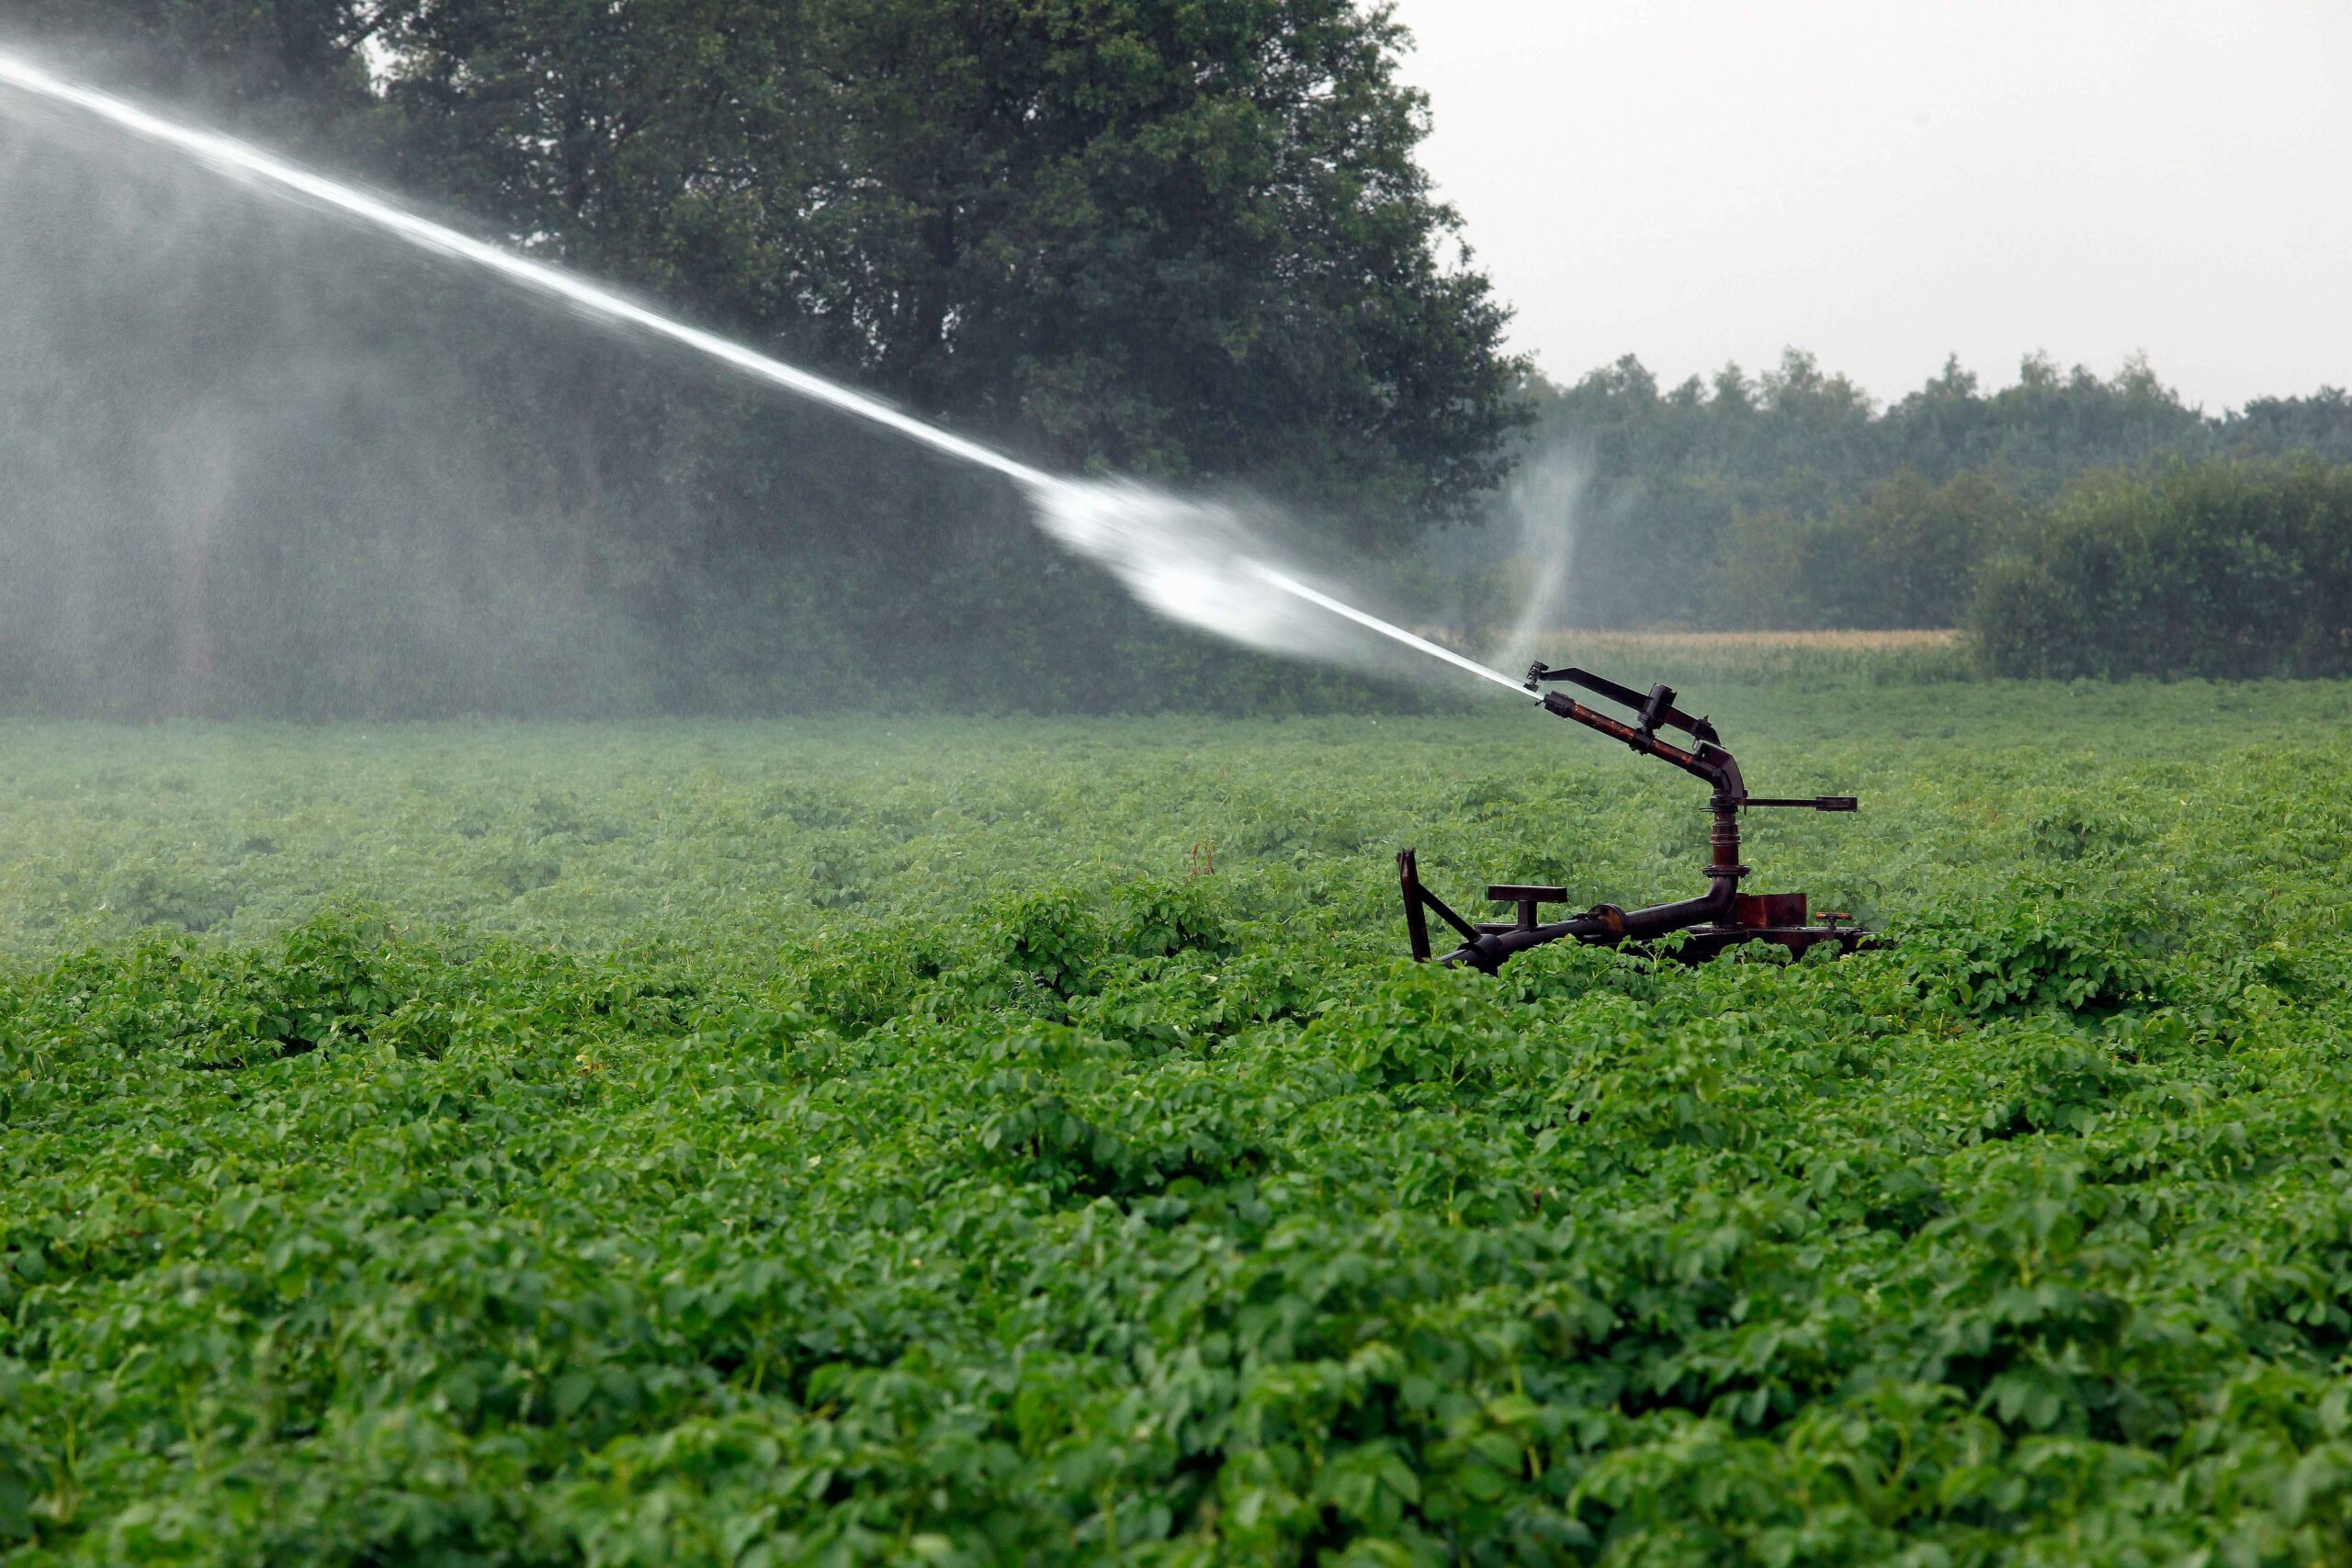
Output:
x=1759 y=911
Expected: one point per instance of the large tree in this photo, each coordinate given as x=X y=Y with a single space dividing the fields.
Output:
x=1181 y=237
x=293 y=70
x=1184 y=239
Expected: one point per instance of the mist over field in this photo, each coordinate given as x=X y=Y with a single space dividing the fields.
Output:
x=267 y=460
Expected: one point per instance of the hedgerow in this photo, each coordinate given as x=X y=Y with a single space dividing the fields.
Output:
x=2227 y=571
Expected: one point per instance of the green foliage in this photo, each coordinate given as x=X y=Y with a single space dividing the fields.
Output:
x=1065 y=1199
x=293 y=69
x=1188 y=240
x=1905 y=554
x=1158 y=919
x=2038 y=949
x=2225 y=571
x=1051 y=939
x=1173 y=238
x=1794 y=501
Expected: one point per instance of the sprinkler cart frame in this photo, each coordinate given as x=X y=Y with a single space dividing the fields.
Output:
x=1723 y=917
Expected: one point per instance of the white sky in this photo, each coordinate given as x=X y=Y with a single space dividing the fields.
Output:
x=1886 y=181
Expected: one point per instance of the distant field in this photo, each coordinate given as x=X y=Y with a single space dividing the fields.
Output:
x=1001 y=1142
x=1941 y=638
x=1886 y=657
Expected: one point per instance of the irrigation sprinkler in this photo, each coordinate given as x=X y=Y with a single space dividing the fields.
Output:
x=1720 y=919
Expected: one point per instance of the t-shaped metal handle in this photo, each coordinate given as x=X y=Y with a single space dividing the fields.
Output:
x=1528 y=898
x=1810 y=802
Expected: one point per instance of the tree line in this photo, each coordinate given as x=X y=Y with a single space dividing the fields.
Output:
x=1791 y=498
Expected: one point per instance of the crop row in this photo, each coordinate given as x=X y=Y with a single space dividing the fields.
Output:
x=1116 y=1229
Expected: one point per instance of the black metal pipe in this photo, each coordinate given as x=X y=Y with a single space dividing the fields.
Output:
x=1488 y=952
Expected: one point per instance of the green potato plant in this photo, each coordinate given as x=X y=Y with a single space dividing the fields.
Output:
x=1065 y=1200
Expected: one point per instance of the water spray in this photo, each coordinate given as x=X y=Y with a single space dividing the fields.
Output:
x=240 y=160
x=1189 y=560
x=1292 y=586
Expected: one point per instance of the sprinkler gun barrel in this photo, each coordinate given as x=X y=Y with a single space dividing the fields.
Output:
x=1653 y=711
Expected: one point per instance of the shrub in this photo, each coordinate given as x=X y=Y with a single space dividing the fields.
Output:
x=1902 y=556
x=2228 y=570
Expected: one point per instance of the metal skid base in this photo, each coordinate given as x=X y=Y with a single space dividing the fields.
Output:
x=1776 y=918
x=1703 y=942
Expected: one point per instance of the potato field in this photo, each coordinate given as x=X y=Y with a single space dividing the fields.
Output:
x=1025 y=1141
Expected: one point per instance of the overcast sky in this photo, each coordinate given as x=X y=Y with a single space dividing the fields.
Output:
x=1886 y=181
